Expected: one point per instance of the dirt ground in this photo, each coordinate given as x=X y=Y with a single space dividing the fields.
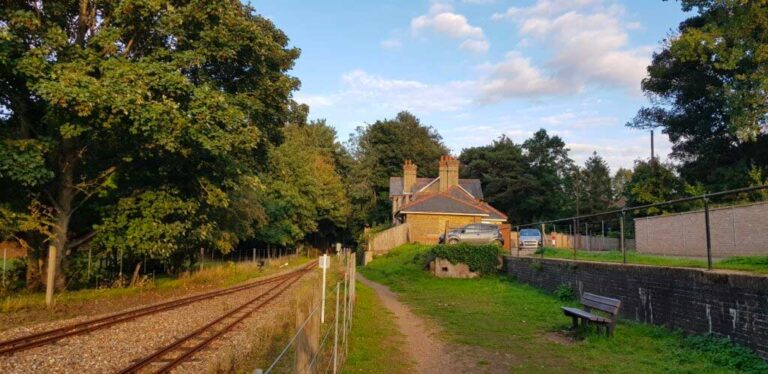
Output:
x=430 y=353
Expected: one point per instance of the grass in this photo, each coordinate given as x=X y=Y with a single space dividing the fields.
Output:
x=376 y=345
x=501 y=315
x=30 y=307
x=756 y=264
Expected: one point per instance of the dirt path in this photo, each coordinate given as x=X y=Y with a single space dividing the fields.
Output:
x=432 y=355
x=426 y=350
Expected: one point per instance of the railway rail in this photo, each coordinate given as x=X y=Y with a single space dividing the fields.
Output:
x=174 y=354
x=50 y=336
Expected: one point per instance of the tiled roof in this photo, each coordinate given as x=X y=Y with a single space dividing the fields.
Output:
x=471 y=185
x=453 y=201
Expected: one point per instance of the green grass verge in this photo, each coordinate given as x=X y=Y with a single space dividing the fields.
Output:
x=756 y=264
x=502 y=315
x=376 y=345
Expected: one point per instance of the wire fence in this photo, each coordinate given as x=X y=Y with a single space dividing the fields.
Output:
x=727 y=229
x=320 y=345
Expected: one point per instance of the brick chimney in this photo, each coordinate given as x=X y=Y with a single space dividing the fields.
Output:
x=449 y=172
x=409 y=176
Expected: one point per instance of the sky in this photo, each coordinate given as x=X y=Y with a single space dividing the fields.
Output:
x=477 y=69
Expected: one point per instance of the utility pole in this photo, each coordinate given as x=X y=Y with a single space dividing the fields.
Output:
x=653 y=154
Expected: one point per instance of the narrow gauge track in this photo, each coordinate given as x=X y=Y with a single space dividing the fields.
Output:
x=50 y=336
x=175 y=353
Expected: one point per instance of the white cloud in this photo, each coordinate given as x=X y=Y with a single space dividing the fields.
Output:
x=476 y=46
x=370 y=93
x=589 y=44
x=391 y=44
x=517 y=77
x=441 y=19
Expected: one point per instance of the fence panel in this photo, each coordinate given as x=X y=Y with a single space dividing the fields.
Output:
x=393 y=237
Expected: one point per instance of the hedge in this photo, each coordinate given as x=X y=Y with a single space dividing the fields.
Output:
x=482 y=259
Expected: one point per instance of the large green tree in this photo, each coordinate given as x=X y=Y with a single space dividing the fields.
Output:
x=379 y=150
x=501 y=169
x=137 y=122
x=596 y=193
x=708 y=88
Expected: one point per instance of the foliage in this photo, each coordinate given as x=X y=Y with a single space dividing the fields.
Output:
x=502 y=317
x=595 y=186
x=564 y=292
x=483 y=259
x=380 y=149
x=725 y=353
x=171 y=106
x=655 y=182
x=527 y=182
x=708 y=88
x=619 y=182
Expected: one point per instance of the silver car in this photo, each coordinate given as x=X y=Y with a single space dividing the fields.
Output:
x=530 y=238
x=476 y=233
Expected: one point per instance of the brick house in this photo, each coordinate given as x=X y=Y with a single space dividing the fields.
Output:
x=432 y=205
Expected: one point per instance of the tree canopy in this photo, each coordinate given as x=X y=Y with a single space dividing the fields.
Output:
x=708 y=88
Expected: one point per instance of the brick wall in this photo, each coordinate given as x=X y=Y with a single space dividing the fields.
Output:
x=735 y=231
x=426 y=228
x=695 y=301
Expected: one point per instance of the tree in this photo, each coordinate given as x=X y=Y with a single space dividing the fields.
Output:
x=619 y=183
x=526 y=181
x=379 y=150
x=708 y=88
x=305 y=190
x=549 y=169
x=596 y=185
x=500 y=168
x=111 y=106
x=655 y=182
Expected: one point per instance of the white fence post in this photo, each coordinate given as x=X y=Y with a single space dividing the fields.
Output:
x=336 y=332
x=324 y=263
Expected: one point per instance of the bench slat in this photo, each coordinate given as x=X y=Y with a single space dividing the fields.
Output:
x=604 y=304
x=602 y=299
x=584 y=314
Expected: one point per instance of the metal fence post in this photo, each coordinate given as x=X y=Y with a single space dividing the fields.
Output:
x=621 y=239
x=602 y=235
x=336 y=332
x=709 y=239
x=5 y=255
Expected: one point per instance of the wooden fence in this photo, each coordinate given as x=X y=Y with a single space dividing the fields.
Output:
x=390 y=238
x=586 y=242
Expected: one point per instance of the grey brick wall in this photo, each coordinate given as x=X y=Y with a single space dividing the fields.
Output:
x=696 y=301
x=735 y=231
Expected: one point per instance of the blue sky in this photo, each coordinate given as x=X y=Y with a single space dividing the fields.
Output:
x=476 y=69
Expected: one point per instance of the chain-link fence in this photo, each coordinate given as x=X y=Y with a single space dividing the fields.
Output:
x=321 y=341
x=727 y=230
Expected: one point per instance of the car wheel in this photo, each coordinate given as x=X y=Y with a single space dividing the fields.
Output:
x=453 y=241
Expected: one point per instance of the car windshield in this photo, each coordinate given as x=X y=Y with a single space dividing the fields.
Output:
x=529 y=232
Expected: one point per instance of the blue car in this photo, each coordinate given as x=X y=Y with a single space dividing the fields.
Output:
x=530 y=238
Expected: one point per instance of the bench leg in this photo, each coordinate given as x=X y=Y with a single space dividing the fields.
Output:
x=575 y=323
x=609 y=330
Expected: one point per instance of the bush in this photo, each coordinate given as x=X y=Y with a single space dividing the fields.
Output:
x=482 y=259
x=564 y=292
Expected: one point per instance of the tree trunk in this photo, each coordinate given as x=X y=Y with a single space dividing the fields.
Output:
x=65 y=196
x=135 y=276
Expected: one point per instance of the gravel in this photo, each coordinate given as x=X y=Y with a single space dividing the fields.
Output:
x=116 y=347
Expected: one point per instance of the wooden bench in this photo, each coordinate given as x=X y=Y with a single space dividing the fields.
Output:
x=591 y=301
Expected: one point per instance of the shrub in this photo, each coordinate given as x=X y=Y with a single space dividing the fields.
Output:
x=564 y=292
x=725 y=353
x=482 y=259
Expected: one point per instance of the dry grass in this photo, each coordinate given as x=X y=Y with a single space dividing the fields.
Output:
x=27 y=308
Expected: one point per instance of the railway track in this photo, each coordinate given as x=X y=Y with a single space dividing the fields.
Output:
x=172 y=355
x=50 y=336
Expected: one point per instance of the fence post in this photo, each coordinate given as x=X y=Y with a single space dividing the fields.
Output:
x=602 y=235
x=336 y=332
x=325 y=261
x=621 y=239
x=5 y=255
x=709 y=239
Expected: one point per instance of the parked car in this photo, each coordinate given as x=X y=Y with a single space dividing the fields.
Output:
x=476 y=233
x=530 y=238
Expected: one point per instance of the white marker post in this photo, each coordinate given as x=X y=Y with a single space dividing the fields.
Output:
x=325 y=262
